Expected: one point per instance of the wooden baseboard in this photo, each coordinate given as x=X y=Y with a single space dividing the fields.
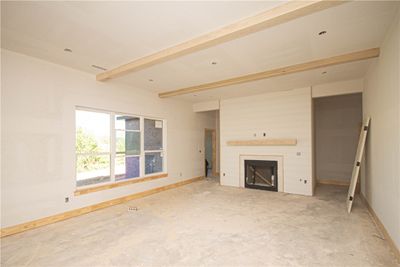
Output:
x=333 y=182
x=83 y=191
x=382 y=229
x=339 y=183
x=73 y=213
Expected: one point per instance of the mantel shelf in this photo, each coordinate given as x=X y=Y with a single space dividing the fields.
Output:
x=264 y=142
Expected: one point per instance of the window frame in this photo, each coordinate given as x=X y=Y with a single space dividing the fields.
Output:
x=162 y=151
x=113 y=150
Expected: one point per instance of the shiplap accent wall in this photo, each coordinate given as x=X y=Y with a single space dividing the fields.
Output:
x=280 y=115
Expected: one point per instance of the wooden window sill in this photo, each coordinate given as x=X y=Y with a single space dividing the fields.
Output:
x=88 y=190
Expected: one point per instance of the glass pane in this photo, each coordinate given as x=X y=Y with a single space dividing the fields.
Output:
x=126 y=167
x=153 y=134
x=127 y=122
x=153 y=162
x=92 y=169
x=92 y=132
x=128 y=142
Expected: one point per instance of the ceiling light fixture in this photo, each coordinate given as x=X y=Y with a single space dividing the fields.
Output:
x=67 y=50
x=322 y=33
x=98 y=67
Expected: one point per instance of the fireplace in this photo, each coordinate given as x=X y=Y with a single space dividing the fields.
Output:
x=261 y=174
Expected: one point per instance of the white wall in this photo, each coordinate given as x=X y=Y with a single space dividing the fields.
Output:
x=338 y=88
x=206 y=106
x=38 y=131
x=280 y=115
x=381 y=101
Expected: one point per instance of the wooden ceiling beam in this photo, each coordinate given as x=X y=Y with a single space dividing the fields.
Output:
x=320 y=63
x=261 y=21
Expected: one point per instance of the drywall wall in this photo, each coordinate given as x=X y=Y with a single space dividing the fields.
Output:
x=284 y=114
x=381 y=101
x=206 y=106
x=38 y=133
x=338 y=88
x=337 y=124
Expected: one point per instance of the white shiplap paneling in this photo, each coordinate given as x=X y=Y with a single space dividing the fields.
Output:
x=279 y=115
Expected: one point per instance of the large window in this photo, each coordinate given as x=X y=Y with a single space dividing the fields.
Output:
x=111 y=147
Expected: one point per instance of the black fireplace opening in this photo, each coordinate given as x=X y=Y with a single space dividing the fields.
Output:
x=261 y=174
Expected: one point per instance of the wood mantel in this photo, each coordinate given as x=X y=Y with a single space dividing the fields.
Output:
x=264 y=142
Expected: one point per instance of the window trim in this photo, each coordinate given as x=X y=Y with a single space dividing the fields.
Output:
x=80 y=190
x=109 y=185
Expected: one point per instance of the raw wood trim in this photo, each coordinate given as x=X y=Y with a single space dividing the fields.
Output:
x=272 y=17
x=382 y=229
x=333 y=182
x=339 y=183
x=320 y=63
x=263 y=142
x=73 y=213
x=83 y=191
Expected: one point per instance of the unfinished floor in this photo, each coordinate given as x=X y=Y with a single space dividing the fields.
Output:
x=210 y=225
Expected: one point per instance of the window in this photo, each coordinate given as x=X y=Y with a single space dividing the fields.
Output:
x=153 y=145
x=112 y=147
x=92 y=147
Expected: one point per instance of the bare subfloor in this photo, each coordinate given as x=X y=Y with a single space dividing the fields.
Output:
x=204 y=224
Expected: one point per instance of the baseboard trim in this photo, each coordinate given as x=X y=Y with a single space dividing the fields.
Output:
x=333 y=182
x=77 y=212
x=382 y=229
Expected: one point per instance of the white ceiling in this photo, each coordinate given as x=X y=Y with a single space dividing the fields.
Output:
x=109 y=34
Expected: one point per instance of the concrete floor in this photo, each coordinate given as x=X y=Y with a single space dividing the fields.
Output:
x=204 y=224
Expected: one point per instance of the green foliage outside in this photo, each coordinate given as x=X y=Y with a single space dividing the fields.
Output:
x=86 y=143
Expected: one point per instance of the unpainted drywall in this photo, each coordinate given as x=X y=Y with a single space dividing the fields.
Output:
x=381 y=102
x=38 y=134
x=284 y=114
x=206 y=106
x=338 y=88
x=337 y=122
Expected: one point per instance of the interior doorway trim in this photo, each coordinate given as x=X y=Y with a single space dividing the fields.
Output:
x=213 y=147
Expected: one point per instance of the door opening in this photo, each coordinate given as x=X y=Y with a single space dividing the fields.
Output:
x=210 y=153
x=337 y=122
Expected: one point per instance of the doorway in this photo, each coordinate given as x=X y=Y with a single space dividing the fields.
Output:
x=337 y=122
x=210 y=159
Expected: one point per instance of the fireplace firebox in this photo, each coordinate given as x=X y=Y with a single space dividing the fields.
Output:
x=261 y=174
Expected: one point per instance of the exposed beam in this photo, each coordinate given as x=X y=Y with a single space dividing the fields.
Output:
x=268 y=18
x=320 y=63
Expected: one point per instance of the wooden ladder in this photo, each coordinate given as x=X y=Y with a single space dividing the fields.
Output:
x=357 y=164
